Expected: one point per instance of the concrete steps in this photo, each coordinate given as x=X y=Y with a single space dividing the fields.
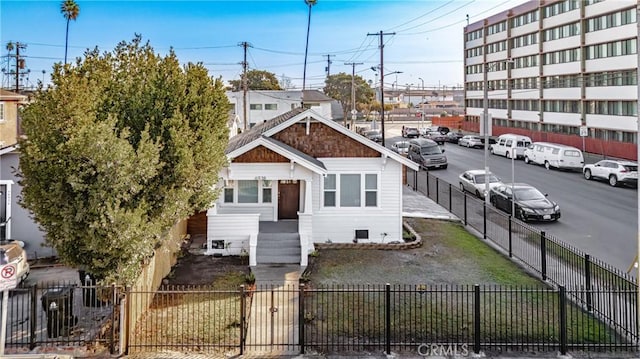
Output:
x=278 y=248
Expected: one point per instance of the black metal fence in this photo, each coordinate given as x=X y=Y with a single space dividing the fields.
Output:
x=62 y=314
x=608 y=293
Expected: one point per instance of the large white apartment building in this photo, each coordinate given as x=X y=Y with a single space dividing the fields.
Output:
x=553 y=67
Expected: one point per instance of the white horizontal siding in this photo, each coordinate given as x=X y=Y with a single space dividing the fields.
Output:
x=271 y=171
x=529 y=116
x=524 y=29
x=339 y=224
x=608 y=6
x=497 y=56
x=561 y=44
x=235 y=230
x=572 y=93
x=612 y=93
x=265 y=211
x=611 y=34
x=561 y=19
x=622 y=123
x=525 y=94
x=611 y=63
x=473 y=43
x=570 y=119
x=525 y=72
x=562 y=69
x=474 y=60
x=524 y=51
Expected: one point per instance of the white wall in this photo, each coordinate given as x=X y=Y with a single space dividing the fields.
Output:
x=338 y=225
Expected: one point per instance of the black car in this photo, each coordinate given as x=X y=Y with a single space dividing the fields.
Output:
x=437 y=137
x=374 y=135
x=530 y=204
x=454 y=137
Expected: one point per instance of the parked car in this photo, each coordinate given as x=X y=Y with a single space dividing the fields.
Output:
x=471 y=141
x=11 y=252
x=473 y=181
x=454 y=137
x=616 y=172
x=437 y=137
x=410 y=132
x=374 y=135
x=401 y=147
x=427 y=154
x=554 y=155
x=530 y=204
x=510 y=145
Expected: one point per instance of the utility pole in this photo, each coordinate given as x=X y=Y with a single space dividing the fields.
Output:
x=244 y=45
x=353 y=91
x=381 y=34
x=328 y=68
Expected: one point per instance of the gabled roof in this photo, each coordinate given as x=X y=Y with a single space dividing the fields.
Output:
x=11 y=96
x=247 y=140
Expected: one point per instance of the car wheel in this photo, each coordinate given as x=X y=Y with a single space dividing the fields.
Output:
x=478 y=194
x=613 y=180
x=587 y=174
x=461 y=187
x=520 y=214
x=546 y=165
x=526 y=160
x=507 y=155
x=444 y=167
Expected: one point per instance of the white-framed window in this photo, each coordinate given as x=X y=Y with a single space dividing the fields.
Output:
x=2 y=112
x=351 y=190
x=248 y=191
x=270 y=106
x=255 y=106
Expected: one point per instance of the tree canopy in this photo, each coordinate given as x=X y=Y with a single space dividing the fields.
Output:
x=338 y=87
x=257 y=80
x=117 y=150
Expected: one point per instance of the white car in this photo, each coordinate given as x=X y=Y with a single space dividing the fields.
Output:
x=401 y=147
x=615 y=172
x=473 y=181
x=470 y=141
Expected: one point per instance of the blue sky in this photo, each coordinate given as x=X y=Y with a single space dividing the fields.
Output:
x=428 y=42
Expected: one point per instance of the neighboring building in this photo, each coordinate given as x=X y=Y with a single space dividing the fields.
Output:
x=9 y=121
x=555 y=68
x=264 y=105
x=310 y=180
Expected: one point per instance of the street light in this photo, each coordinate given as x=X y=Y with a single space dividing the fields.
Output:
x=409 y=92
x=486 y=126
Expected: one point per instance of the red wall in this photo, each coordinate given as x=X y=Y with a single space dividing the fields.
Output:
x=592 y=145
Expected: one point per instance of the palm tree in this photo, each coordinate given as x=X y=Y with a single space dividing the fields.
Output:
x=70 y=10
x=309 y=3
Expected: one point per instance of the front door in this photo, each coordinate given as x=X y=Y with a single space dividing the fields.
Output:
x=288 y=199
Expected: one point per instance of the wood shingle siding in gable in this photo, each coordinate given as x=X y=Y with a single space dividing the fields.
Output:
x=260 y=154
x=323 y=141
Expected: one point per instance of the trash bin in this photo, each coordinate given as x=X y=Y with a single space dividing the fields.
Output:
x=57 y=303
x=89 y=293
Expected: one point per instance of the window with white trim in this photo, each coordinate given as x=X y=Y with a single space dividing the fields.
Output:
x=351 y=190
x=248 y=191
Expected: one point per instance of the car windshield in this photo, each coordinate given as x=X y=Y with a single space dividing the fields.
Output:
x=481 y=179
x=528 y=194
x=431 y=150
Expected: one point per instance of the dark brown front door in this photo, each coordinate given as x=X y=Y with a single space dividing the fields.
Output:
x=288 y=199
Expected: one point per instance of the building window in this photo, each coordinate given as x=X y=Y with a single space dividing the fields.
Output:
x=266 y=191
x=228 y=191
x=247 y=191
x=349 y=190
x=255 y=106
x=270 y=106
x=371 y=190
x=330 y=190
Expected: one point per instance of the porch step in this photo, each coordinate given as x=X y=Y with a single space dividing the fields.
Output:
x=278 y=248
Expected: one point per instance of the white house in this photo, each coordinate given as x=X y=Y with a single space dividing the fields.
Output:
x=300 y=179
x=264 y=105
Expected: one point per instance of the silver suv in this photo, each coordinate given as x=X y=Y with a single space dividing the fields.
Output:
x=616 y=172
x=427 y=154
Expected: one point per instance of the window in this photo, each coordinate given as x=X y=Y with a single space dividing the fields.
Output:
x=247 y=191
x=270 y=106
x=330 y=190
x=228 y=191
x=266 y=191
x=351 y=190
x=255 y=106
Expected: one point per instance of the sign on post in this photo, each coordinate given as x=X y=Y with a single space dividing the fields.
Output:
x=584 y=131
x=8 y=277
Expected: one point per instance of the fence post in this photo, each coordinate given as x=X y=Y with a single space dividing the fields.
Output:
x=243 y=294
x=476 y=319
x=484 y=220
x=387 y=324
x=427 y=173
x=114 y=301
x=127 y=318
x=34 y=316
x=415 y=180
x=543 y=254
x=563 y=320
x=510 y=236
x=450 y=197
x=587 y=280
x=465 y=208
x=437 y=190
x=301 y=317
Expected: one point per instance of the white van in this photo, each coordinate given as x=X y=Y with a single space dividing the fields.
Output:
x=509 y=144
x=554 y=155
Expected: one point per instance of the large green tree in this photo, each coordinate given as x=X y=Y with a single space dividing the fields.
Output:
x=257 y=80
x=70 y=10
x=338 y=87
x=119 y=148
